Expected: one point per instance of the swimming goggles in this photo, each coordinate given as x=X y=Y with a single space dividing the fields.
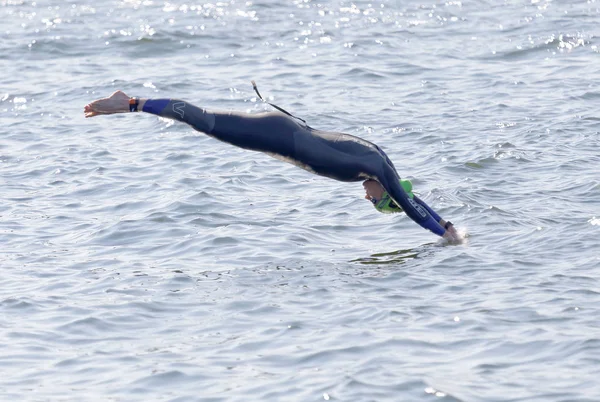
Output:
x=386 y=205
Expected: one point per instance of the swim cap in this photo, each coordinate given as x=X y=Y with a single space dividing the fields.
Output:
x=386 y=205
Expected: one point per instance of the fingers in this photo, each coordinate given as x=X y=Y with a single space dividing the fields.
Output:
x=454 y=233
x=455 y=237
x=451 y=236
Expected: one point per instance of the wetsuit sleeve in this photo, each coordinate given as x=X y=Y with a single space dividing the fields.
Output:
x=415 y=210
x=179 y=110
x=431 y=211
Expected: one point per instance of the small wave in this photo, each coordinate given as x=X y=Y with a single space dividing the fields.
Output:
x=562 y=43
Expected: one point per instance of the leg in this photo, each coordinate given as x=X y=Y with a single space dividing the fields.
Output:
x=264 y=132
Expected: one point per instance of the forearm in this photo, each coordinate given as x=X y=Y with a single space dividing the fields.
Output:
x=414 y=208
x=431 y=225
x=433 y=222
x=434 y=214
x=431 y=211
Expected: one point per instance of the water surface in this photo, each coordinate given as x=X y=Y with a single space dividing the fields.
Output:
x=142 y=260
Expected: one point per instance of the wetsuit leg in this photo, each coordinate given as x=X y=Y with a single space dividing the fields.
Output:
x=266 y=132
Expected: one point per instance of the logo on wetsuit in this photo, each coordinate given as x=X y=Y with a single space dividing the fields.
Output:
x=178 y=108
x=387 y=205
x=419 y=208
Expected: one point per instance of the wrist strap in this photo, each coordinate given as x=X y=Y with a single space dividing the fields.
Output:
x=133 y=104
x=448 y=224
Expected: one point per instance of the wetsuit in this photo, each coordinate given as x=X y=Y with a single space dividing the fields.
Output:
x=339 y=156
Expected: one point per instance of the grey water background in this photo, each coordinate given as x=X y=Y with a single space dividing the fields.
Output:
x=141 y=260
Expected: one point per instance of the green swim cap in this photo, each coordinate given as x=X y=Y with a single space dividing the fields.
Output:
x=387 y=205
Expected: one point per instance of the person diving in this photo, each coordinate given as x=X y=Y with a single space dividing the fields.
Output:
x=339 y=156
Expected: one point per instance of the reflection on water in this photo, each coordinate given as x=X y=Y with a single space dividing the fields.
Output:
x=398 y=256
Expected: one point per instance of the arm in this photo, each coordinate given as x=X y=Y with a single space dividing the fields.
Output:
x=451 y=233
x=416 y=209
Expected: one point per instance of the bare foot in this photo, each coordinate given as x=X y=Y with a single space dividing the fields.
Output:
x=118 y=102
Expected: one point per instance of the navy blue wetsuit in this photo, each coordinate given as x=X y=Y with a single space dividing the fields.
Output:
x=339 y=156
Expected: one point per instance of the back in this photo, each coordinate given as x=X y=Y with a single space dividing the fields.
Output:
x=337 y=155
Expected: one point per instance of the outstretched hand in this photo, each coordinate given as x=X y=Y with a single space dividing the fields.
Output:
x=452 y=235
x=118 y=102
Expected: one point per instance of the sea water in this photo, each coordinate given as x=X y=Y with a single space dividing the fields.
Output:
x=141 y=260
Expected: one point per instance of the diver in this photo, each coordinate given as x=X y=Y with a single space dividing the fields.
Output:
x=281 y=135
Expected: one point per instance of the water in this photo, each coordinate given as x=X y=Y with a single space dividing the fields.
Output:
x=144 y=261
